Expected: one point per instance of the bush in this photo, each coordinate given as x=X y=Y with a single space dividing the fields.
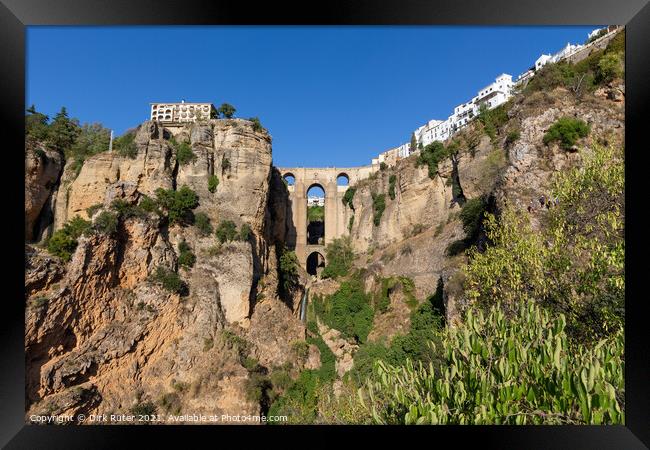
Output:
x=64 y=241
x=170 y=281
x=347 y=310
x=512 y=137
x=225 y=164
x=315 y=214
x=202 y=223
x=143 y=409
x=288 y=268
x=576 y=264
x=184 y=154
x=431 y=155
x=340 y=257
x=125 y=145
x=610 y=66
x=185 y=256
x=226 y=110
x=566 y=131
x=106 y=223
x=149 y=205
x=518 y=371
x=378 y=206
x=125 y=209
x=492 y=119
x=348 y=196
x=383 y=166
x=245 y=232
x=472 y=216
x=213 y=182
x=257 y=125
x=178 y=204
x=91 y=210
x=391 y=186
x=226 y=231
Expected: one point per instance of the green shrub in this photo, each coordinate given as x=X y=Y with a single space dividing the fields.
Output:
x=431 y=155
x=125 y=145
x=245 y=232
x=348 y=310
x=213 y=182
x=391 y=186
x=492 y=119
x=576 y=263
x=512 y=137
x=340 y=257
x=383 y=166
x=143 y=409
x=149 y=205
x=64 y=241
x=316 y=214
x=185 y=256
x=226 y=231
x=257 y=125
x=202 y=223
x=106 y=223
x=178 y=204
x=288 y=268
x=184 y=154
x=350 y=223
x=170 y=281
x=566 y=131
x=226 y=110
x=472 y=216
x=225 y=164
x=125 y=209
x=521 y=370
x=348 y=196
x=91 y=210
x=378 y=206
x=610 y=66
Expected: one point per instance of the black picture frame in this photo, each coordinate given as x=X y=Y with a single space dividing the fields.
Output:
x=15 y=15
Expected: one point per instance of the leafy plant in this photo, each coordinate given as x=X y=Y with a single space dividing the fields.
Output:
x=245 y=232
x=64 y=241
x=213 y=182
x=185 y=257
x=340 y=256
x=226 y=110
x=378 y=206
x=348 y=196
x=566 y=131
x=202 y=223
x=226 y=231
x=170 y=281
x=391 y=186
x=521 y=370
x=184 y=154
x=106 y=222
x=288 y=269
x=178 y=204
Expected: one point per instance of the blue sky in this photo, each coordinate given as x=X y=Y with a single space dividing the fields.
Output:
x=330 y=96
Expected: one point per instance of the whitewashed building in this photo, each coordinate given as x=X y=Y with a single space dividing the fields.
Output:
x=182 y=112
x=315 y=201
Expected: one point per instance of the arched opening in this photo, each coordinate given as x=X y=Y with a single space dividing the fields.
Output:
x=315 y=264
x=315 y=215
x=289 y=179
x=342 y=179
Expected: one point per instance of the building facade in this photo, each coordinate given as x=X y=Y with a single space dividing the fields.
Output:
x=182 y=112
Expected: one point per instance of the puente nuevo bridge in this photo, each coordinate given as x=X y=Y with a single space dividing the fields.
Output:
x=334 y=181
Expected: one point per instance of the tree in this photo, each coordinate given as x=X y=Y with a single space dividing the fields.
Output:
x=178 y=204
x=63 y=131
x=288 y=267
x=340 y=256
x=414 y=143
x=226 y=110
x=36 y=124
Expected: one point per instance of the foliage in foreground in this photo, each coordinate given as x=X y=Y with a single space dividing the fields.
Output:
x=64 y=241
x=566 y=131
x=521 y=370
x=576 y=264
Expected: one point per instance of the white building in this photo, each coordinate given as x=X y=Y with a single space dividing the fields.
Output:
x=182 y=112
x=315 y=201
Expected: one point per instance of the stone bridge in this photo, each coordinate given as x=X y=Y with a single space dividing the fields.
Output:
x=334 y=181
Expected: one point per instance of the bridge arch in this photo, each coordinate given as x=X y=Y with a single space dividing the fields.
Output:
x=315 y=221
x=315 y=263
x=337 y=214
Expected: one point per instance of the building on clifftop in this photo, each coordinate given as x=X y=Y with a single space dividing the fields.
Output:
x=182 y=112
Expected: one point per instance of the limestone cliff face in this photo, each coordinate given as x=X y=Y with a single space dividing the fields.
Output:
x=102 y=337
x=418 y=226
x=43 y=168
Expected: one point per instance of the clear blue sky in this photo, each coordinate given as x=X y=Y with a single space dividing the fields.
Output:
x=330 y=96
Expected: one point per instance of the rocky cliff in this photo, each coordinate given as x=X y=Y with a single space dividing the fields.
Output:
x=101 y=335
